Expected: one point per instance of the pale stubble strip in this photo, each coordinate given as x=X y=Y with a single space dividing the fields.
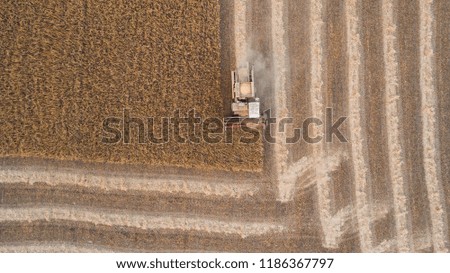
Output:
x=52 y=247
x=393 y=106
x=240 y=30
x=117 y=183
x=324 y=189
x=279 y=96
x=138 y=220
x=357 y=134
x=431 y=159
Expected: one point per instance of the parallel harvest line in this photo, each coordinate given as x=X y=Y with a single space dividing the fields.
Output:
x=240 y=30
x=280 y=69
x=70 y=247
x=130 y=183
x=357 y=134
x=321 y=167
x=138 y=220
x=431 y=158
x=52 y=247
x=393 y=106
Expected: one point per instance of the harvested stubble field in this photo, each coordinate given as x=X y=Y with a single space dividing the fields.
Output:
x=66 y=66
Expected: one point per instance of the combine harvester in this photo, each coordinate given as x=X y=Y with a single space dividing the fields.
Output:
x=245 y=104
